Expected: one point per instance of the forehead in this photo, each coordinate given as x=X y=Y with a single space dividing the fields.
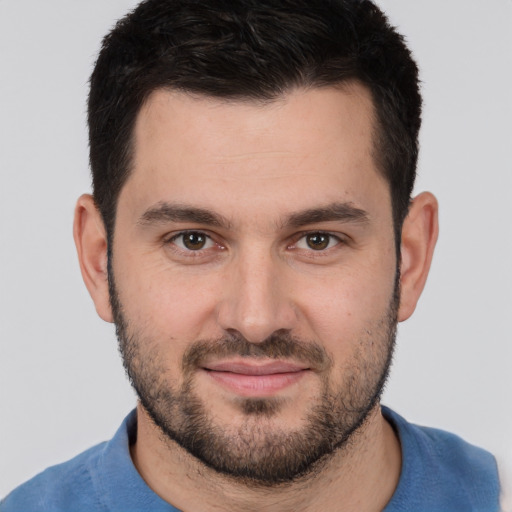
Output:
x=321 y=115
x=308 y=145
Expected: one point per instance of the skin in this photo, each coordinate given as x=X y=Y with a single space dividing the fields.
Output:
x=257 y=167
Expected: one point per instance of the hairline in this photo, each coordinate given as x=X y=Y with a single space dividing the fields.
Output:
x=344 y=84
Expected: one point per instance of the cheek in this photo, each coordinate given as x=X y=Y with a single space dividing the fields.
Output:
x=165 y=316
x=340 y=311
x=167 y=305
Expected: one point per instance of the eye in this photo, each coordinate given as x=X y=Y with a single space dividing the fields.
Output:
x=317 y=241
x=192 y=241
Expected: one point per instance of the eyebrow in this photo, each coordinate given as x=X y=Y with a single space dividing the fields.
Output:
x=344 y=212
x=168 y=212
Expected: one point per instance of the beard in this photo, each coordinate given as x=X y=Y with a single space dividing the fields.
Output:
x=258 y=452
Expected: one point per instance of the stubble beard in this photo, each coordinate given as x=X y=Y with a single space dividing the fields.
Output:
x=257 y=452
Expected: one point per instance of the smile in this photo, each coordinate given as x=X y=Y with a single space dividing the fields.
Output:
x=256 y=380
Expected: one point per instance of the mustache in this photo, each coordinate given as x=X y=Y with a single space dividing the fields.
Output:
x=279 y=345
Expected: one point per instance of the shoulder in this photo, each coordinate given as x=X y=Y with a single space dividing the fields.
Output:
x=441 y=471
x=56 y=488
x=100 y=479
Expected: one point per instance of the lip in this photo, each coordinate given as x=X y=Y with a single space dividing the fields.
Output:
x=255 y=379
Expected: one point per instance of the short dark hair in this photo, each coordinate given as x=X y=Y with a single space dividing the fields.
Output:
x=252 y=50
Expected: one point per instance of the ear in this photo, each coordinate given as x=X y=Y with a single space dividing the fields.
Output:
x=91 y=244
x=419 y=237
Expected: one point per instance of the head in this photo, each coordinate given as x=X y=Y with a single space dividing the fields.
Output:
x=248 y=50
x=251 y=232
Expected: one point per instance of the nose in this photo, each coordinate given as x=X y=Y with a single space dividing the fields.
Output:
x=256 y=301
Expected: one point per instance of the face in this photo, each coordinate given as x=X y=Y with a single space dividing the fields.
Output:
x=253 y=276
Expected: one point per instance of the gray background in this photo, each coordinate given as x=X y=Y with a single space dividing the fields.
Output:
x=62 y=387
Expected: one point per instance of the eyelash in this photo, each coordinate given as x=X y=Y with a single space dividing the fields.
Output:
x=331 y=238
x=190 y=252
x=171 y=241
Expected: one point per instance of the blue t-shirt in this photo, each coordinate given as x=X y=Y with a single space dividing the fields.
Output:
x=440 y=473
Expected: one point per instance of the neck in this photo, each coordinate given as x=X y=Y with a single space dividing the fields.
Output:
x=362 y=475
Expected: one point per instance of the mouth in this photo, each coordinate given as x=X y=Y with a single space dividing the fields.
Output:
x=255 y=379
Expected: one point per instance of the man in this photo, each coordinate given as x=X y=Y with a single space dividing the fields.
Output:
x=252 y=236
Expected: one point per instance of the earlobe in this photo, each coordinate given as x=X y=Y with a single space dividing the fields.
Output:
x=419 y=237
x=91 y=245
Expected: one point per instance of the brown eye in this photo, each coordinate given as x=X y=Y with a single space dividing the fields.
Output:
x=318 y=241
x=192 y=241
